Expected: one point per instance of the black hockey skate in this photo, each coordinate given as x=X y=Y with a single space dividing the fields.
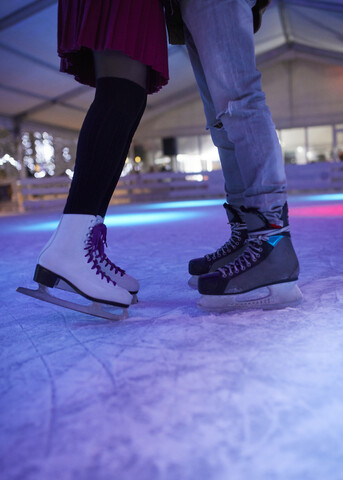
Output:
x=226 y=253
x=263 y=276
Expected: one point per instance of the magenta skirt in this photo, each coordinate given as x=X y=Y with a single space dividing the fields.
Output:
x=134 y=27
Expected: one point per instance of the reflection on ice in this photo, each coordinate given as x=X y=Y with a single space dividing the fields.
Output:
x=119 y=220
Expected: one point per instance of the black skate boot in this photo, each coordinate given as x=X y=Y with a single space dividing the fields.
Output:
x=226 y=253
x=263 y=276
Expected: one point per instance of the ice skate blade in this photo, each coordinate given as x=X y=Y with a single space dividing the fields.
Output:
x=62 y=285
x=193 y=282
x=94 y=308
x=271 y=297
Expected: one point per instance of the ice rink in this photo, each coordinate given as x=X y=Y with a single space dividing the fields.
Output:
x=173 y=393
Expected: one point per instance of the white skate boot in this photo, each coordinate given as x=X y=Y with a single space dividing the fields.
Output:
x=116 y=273
x=70 y=260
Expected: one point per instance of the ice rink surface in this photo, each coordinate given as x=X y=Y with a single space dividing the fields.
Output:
x=173 y=393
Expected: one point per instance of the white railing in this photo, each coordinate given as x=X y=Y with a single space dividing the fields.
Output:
x=322 y=176
x=51 y=193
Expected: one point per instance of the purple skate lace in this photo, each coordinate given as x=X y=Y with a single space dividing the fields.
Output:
x=95 y=248
x=101 y=242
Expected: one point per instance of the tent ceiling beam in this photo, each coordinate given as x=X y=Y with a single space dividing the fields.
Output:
x=25 y=12
x=60 y=100
x=186 y=95
x=294 y=50
x=20 y=91
x=31 y=58
x=328 y=56
x=327 y=6
x=285 y=22
x=271 y=55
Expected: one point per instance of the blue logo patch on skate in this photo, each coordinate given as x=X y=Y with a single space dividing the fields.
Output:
x=274 y=240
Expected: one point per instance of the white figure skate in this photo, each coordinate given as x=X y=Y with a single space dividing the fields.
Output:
x=115 y=273
x=70 y=260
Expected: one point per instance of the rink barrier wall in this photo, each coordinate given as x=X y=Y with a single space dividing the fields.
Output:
x=51 y=193
x=10 y=196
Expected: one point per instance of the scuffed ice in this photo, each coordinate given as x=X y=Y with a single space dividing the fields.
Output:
x=173 y=393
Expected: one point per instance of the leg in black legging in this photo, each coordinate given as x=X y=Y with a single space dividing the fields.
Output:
x=107 y=132
x=116 y=174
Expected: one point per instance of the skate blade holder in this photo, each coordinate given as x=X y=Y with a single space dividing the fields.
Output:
x=193 y=282
x=271 y=297
x=96 y=309
x=65 y=286
x=134 y=299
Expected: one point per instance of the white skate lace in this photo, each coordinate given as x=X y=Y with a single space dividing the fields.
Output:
x=95 y=246
x=234 y=242
x=251 y=253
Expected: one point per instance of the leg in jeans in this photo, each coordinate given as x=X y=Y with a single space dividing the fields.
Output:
x=222 y=32
x=234 y=186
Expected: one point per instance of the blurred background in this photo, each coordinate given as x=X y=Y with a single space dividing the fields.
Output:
x=299 y=51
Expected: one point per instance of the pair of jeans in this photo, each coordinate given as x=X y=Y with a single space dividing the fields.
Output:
x=220 y=41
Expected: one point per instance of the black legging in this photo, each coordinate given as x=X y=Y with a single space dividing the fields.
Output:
x=103 y=145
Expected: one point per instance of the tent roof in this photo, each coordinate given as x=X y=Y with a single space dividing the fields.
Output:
x=33 y=90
